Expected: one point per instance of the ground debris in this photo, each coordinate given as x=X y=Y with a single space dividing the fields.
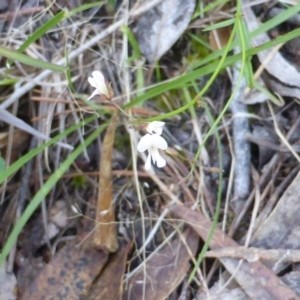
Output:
x=70 y=274
x=164 y=270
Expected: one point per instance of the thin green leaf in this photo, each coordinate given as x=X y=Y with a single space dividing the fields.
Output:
x=13 y=55
x=200 y=40
x=133 y=42
x=277 y=20
x=8 y=81
x=40 y=32
x=140 y=82
x=2 y=164
x=84 y=7
x=219 y=25
x=207 y=7
x=244 y=34
x=181 y=81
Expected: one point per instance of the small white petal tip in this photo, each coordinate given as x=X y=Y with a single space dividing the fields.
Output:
x=155 y=127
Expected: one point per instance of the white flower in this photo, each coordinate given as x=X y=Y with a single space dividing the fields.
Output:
x=153 y=142
x=98 y=82
x=155 y=127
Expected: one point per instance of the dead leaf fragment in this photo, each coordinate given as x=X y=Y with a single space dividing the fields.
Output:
x=69 y=275
x=19 y=137
x=159 y=28
x=109 y=285
x=165 y=270
x=219 y=37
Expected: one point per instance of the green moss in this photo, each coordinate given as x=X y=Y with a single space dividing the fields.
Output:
x=78 y=181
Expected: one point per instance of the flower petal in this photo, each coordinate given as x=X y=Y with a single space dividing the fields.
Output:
x=158 y=142
x=158 y=131
x=98 y=77
x=148 y=163
x=100 y=82
x=92 y=82
x=155 y=127
x=95 y=92
x=144 y=143
x=157 y=158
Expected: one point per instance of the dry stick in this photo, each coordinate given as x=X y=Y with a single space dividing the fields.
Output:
x=240 y=128
x=254 y=254
x=105 y=234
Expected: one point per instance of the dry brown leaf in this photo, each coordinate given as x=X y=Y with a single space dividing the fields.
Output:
x=105 y=234
x=159 y=28
x=109 y=285
x=254 y=277
x=164 y=271
x=70 y=273
x=19 y=137
x=219 y=37
x=19 y=141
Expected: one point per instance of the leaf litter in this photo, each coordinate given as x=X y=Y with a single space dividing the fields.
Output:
x=126 y=240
